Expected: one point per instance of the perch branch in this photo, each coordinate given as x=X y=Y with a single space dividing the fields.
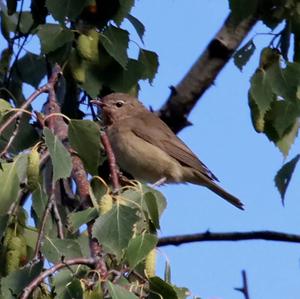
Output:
x=112 y=161
x=185 y=95
x=38 y=280
x=232 y=236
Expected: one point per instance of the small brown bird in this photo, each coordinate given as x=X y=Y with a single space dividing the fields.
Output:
x=146 y=147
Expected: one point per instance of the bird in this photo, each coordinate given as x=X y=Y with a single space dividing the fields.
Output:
x=146 y=148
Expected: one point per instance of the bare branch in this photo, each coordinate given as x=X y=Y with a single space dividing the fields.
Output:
x=203 y=73
x=232 y=236
x=114 y=172
x=244 y=289
x=38 y=280
x=48 y=86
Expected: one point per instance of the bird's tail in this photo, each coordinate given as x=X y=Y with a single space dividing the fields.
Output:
x=196 y=177
x=224 y=194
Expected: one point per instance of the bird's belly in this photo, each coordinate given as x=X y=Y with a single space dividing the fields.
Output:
x=144 y=161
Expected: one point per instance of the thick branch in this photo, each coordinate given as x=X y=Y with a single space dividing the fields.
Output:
x=37 y=281
x=234 y=236
x=203 y=73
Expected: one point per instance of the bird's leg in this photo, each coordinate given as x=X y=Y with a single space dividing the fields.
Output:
x=159 y=182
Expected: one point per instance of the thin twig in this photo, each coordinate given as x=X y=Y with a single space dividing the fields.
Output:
x=43 y=224
x=59 y=223
x=11 y=139
x=45 y=88
x=232 y=236
x=244 y=289
x=112 y=161
x=38 y=280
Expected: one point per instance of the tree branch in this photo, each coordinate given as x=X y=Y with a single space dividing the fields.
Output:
x=244 y=290
x=203 y=73
x=38 y=280
x=232 y=236
x=46 y=88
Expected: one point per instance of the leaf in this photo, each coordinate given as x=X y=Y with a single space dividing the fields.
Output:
x=115 y=41
x=114 y=229
x=138 y=26
x=151 y=203
x=77 y=219
x=286 y=142
x=123 y=11
x=84 y=136
x=139 y=247
x=31 y=68
x=241 y=9
x=13 y=284
x=9 y=185
x=65 y=9
x=3 y=224
x=55 y=249
x=61 y=159
x=282 y=116
x=182 y=293
x=242 y=56
x=284 y=175
x=150 y=63
x=53 y=36
x=167 y=273
x=124 y=80
x=159 y=286
x=72 y=290
x=118 y=292
x=261 y=92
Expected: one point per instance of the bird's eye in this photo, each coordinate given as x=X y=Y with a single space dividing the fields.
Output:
x=119 y=104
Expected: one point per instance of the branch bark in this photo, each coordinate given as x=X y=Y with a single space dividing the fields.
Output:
x=185 y=95
x=232 y=236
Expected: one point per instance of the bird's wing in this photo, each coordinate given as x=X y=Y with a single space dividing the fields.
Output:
x=159 y=134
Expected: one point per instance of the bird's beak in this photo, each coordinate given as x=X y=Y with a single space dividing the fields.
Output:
x=98 y=102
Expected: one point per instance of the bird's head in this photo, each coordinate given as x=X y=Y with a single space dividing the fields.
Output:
x=118 y=106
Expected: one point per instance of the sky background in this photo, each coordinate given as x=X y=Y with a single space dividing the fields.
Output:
x=245 y=162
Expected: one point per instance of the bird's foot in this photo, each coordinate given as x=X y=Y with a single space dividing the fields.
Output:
x=159 y=182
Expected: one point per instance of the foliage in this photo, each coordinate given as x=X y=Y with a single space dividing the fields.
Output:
x=274 y=94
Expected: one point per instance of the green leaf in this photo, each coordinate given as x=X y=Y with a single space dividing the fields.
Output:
x=114 y=229
x=167 y=273
x=65 y=9
x=159 y=197
x=93 y=79
x=53 y=36
x=138 y=26
x=95 y=293
x=241 y=9
x=151 y=203
x=72 y=290
x=77 y=219
x=4 y=106
x=13 y=284
x=139 y=247
x=3 y=224
x=31 y=68
x=115 y=41
x=242 y=56
x=84 y=136
x=118 y=292
x=9 y=184
x=282 y=116
x=124 y=10
x=150 y=63
x=182 y=293
x=55 y=249
x=124 y=80
x=61 y=159
x=261 y=92
x=157 y=285
x=286 y=142
x=284 y=175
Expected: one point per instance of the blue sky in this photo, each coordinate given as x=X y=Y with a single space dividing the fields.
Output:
x=224 y=139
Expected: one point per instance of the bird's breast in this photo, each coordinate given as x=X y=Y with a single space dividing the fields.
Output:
x=144 y=161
